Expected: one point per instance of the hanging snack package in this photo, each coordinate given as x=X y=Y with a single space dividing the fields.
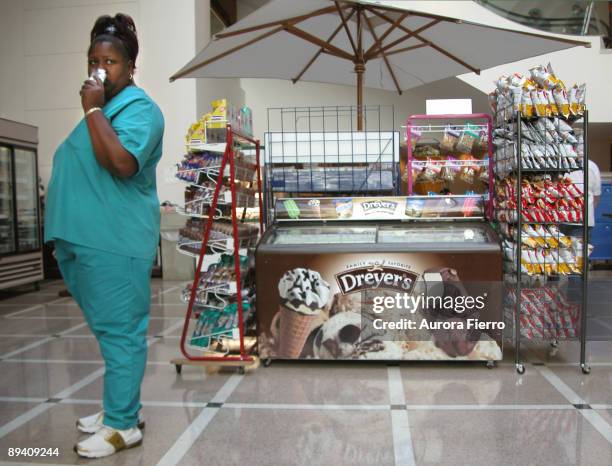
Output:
x=467 y=139
x=542 y=77
x=450 y=138
x=492 y=98
x=484 y=171
x=541 y=103
x=581 y=98
x=552 y=102
x=562 y=101
x=450 y=170
x=573 y=100
x=527 y=102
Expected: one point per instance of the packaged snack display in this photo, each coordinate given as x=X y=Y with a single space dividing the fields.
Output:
x=542 y=94
x=451 y=157
x=537 y=143
x=210 y=128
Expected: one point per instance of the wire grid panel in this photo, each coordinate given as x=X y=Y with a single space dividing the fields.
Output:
x=316 y=150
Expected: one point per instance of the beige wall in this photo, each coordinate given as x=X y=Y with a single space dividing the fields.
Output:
x=42 y=50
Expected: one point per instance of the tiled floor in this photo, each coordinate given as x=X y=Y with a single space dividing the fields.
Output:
x=302 y=413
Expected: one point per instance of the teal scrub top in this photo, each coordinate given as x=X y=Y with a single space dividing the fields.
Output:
x=87 y=205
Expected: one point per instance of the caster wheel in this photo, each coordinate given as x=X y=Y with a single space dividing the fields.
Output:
x=267 y=362
x=491 y=364
x=554 y=343
x=586 y=369
x=520 y=368
x=241 y=370
x=178 y=368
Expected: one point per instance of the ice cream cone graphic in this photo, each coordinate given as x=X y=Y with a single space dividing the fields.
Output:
x=303 y=294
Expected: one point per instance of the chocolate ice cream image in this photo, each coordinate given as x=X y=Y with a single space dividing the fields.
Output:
x=445 y=282
x=303 y=294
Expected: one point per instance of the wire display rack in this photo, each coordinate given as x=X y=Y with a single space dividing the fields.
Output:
x=220 y=299
x=542 y=211
x=317 y=151
x=449 y=154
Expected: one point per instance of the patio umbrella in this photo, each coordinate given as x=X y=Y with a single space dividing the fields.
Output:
x=374 y=45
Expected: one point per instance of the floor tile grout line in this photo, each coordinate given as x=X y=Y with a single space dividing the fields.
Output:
x=602 y=323
x=322 y=407
x=560 y=385
x=41 y=408
x=183 y=444
x=403 y=450
x=169 y=290
x=72 y=361
x=23 y=311
x=396 y=386
x=24 y=418
x=21 y=399
x=594 y=418
x=39 y=343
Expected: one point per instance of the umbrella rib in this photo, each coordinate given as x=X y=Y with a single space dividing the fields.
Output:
x=321 y=50
x=406 y=49
x=346 y=28
x=405 y=38
x=384 y=56
x=182 y=73
x=429 y=43
x=387 y=32
x=293 y=20
x=320 y=42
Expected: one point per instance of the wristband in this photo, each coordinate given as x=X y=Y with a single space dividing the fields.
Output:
x=91 y=110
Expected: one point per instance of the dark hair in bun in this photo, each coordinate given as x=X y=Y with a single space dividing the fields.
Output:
x=119 y=30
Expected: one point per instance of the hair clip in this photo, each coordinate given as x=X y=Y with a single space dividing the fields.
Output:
x=110 y=29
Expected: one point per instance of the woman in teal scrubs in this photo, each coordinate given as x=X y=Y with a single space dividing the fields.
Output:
x=103 y=215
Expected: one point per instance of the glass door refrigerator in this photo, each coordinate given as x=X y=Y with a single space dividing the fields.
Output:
x=20 y=229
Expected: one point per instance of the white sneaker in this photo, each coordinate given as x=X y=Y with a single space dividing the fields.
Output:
x=93 y=423
x=108 y=441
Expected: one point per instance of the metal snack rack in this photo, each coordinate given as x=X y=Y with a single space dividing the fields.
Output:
x=535 y=204
x=216 y=304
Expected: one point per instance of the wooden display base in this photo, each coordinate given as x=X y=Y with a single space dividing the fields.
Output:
x=214 y=366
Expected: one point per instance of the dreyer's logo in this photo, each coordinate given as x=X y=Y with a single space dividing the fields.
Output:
x=385 y=207
x=376 y=277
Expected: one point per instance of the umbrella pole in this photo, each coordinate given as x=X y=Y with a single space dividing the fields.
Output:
x=359 y=70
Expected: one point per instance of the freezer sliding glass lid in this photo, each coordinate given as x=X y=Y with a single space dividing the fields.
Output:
x=323 y=235
x=446 y=234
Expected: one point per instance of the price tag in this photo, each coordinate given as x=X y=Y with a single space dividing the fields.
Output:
x=209 y=259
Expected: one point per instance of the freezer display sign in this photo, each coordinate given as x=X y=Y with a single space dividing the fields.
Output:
x=386 y=306
x=380 y=208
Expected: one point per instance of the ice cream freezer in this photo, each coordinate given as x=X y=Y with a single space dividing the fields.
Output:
x=380 y=278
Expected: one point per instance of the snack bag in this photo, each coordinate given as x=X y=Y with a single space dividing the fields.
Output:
x=541 y=102
x=467 y=139
x=573 y=100
x=562 y=101
x=450 y=139
x=581 y=98
x=527 y=104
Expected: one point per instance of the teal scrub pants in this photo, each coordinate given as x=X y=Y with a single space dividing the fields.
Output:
x=114 y=293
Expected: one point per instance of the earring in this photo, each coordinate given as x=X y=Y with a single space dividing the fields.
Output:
x=131 y=77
